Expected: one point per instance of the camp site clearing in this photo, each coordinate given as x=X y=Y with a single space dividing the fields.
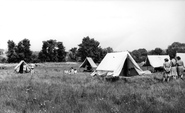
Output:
x=50 y=90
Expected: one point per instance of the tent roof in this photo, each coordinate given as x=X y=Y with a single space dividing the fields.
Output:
x=155 y=60
x=113 y=62
x=90 y=61
x=182 y=55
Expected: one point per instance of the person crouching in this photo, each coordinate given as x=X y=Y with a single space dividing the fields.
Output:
x=32 y=66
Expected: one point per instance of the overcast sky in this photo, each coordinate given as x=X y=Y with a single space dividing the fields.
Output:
x=122 y=25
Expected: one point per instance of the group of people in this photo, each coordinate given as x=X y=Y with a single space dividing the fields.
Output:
x=71 y=71
x=173 y=68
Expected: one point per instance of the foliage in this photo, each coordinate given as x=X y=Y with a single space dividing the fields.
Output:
x=3 y=60
x=139 y=55
x=34 y=57
x=72 y=55
x=174 y=48
x=157 y=51
x=23 y=50
x=19 y=52
x=61 y=52
x=11 y=53
x=52 y=51
x=90 y=48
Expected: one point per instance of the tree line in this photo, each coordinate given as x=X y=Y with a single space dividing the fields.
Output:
x=141 y=54
x=54 y=51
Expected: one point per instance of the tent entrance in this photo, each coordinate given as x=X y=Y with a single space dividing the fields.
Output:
x=128 y=68
x=21 y=68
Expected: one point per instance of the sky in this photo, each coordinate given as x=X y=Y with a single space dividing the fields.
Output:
x=120 y=24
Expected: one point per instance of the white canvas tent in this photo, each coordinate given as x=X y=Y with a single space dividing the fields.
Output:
x=118 y=64
x=88 y=62
x=155 y=60
x=182 y=56
x=22 y=67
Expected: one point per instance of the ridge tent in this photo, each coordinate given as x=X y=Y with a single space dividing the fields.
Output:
x=118 y=64
x=22 y=67
x=89 y=64
x=155 y=61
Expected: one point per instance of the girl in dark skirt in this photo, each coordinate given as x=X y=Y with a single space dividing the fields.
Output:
x=180 y=67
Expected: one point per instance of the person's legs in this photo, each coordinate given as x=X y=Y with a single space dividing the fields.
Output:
x=164 y=76
x=32 y=71
x=180 y=71
x=174 y=72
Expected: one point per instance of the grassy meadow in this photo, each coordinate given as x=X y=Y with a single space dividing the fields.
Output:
x=50 y=90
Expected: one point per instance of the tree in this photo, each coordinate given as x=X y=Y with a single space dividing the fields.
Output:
x=23 y=50
x=174 y=48
x=157 y=51
x=72 y=54
x=89 y=48
x=52 y=51
x=136 y=55
x=35 y=57
x=139 y=55
x=12 y=56
x=104 y=51
x=61 y=52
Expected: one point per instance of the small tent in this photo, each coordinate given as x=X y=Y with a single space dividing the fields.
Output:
x=89 y=64
x=118 y=64
x=182 y=56
x=22 y=67
x=155 y=61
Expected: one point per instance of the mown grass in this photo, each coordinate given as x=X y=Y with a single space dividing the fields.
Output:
x=50 y=90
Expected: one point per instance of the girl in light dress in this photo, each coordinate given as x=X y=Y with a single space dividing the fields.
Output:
x=167 y=69
x=173 y=63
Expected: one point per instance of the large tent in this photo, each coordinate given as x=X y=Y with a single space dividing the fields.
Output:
x=182 y=56
x=22 y=67
x=118 y=64
x=88 y=63
x=155 y=60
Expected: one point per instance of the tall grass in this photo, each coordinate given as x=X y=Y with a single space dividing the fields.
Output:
x=49 y=90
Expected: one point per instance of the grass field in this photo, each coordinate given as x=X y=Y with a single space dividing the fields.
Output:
x=50 y=90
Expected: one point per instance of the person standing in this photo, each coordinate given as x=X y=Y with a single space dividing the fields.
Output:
x=180 y=67
x=167 y=68
x=173 y=68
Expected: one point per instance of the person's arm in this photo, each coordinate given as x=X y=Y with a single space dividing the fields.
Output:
x=164 y=66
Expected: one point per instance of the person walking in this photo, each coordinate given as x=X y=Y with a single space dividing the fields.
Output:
x=180 y=67
x=173 y=68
